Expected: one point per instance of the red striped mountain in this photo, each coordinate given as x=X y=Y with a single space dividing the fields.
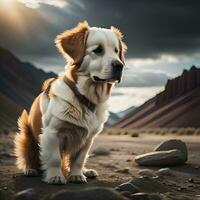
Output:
x=177 y=106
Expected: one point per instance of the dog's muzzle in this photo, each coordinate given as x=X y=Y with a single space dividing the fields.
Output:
x=116 y=73
x=117 y=69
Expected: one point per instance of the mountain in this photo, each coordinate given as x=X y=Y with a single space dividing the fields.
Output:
x=177 y=106
x=115 y=117
x=125 y=112
x=9 y=112
x=20 y=83
x=112 y=119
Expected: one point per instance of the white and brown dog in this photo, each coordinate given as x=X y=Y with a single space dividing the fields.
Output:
x=60 y=128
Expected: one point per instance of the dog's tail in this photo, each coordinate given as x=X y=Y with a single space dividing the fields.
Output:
x=26 y=148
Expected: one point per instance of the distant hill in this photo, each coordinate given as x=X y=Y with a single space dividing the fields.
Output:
x=9 y=112
x=123 y=113
x=177 y=106
x=20 y=83
x=115 y=117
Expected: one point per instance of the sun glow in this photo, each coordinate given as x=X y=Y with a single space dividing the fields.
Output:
x=11 y=14
x=17 y=14
x=7 y=4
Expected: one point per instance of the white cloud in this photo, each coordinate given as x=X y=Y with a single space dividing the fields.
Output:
x=162 y=59
x=123 y=98
x=134 y=78
x=37 y=3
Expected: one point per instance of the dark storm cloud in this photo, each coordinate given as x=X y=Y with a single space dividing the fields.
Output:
x=150 y=27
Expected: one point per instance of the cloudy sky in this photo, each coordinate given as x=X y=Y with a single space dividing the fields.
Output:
x=163 y=37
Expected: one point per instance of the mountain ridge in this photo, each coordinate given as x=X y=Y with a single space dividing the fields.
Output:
x=20 y=83
x=175 y=106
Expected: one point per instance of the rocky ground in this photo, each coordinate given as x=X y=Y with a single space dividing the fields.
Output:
x=182 y=182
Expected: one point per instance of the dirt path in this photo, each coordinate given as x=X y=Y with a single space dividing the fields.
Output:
x=123 y=149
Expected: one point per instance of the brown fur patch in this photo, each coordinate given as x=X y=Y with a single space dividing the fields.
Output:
x=122 y=45
x=47 y=83
x=72 y=44
x=35 y=118
x=26 y=147
x=109 y=88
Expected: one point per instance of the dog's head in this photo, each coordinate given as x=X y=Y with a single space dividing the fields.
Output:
x=94 y=52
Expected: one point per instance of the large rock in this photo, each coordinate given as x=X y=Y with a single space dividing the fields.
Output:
x=89 y=194
x=161 y=158
x=170 y=152
x=173 y=144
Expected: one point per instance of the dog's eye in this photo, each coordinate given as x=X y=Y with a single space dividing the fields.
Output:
x=98 y=50
x=116 y=50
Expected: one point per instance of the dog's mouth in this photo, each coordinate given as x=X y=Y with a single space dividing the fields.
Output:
x=97 y=79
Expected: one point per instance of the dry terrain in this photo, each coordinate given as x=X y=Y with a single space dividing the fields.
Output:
x=184 y=183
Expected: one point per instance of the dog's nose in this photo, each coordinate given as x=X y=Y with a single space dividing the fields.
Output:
x=117 y=65
x=117 y=68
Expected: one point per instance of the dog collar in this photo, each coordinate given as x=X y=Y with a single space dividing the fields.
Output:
x=82 y=99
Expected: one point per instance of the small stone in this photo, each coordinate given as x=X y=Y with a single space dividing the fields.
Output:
x=132 y=153
x=124 y=171
x=113 y=149
x=128 y=187
x=28 y=194
x=182 y=188
x=139 y=196
x=5 y=188
x=197 y=167
x=190 y=185
x=191 y=180
x=146 y=172
x=101 y=151
x=164 y=172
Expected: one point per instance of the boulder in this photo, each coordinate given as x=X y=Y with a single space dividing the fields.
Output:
x=173 y=144
x=161 y=158
x=89 y=194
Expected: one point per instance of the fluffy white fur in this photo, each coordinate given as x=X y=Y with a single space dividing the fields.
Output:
x=67 y=125
x=65 y=101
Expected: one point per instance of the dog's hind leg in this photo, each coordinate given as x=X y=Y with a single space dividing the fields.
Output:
x=26 y=148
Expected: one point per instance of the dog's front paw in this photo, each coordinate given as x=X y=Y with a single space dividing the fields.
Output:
x=31 y=172
x=56 y=180
x=77 y=178
x=90 y=173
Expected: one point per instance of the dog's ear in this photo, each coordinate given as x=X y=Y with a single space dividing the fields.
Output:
x=72 y=43
x=122 y=45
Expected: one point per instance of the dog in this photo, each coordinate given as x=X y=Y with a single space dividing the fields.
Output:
x=56 y=136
